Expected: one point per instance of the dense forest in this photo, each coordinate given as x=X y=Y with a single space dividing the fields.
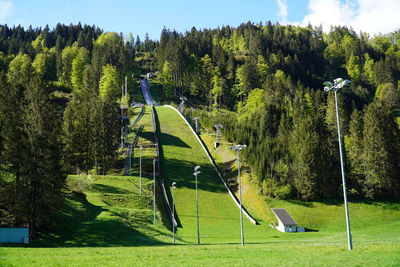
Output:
x=60 y=97
x=271 y=78
x=59 y=113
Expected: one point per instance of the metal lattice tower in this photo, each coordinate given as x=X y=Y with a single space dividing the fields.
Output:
x=182 y=104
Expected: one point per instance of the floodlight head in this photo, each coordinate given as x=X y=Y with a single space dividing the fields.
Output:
x=337 y=80
x=196 y=168
x=342 y=83
x=338 y=84
x=174 y=185
x=238 y=147
x=196 y=173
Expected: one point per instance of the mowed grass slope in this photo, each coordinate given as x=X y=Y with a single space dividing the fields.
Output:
x=111 y=213
x=219 y=216
x=371 y=221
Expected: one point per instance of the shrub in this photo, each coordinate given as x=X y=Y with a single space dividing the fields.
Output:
x=80 y=182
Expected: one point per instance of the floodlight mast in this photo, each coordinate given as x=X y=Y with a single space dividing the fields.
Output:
x=196 y=120
x=218 y=128
x=338 y=84
x=196 y=173
x=140 y=170
x=238 y=149
x=154 y=191
x=173 y=211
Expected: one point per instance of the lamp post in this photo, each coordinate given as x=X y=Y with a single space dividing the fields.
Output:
x=338 y=84
x=218 y=128
x=196 y=120
x=173 y=211
x=154 y=191
x=140 y=170
x=196 y=173
x=238 y=149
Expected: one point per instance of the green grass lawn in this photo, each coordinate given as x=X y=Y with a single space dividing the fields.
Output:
x=371 y=221
x=111 y=213
x=219 y=216
x=208 y=255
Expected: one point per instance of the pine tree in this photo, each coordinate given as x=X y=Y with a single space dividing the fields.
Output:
x=380 y=152
x=354 y=150
x=44 y=180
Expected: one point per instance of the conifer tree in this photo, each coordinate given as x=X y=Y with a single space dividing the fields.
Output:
x=380 y=152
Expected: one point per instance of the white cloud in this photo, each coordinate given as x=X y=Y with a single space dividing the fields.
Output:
x=283 y=12
x=5 y=9
x=372 y=16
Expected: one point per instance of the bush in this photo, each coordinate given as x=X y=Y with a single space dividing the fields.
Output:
x=80 y=182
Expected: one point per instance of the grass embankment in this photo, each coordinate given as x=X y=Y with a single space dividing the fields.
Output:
x=156 y=90
x=371 y=221
x=109 y=213
x=135 y=91
x=219 y=216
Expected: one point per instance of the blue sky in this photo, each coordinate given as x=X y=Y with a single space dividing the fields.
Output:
x=140 y=17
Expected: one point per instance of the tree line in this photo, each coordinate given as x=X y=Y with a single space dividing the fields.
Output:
x=59 y=114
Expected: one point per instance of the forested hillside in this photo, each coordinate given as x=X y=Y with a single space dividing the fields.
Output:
x=271 y=78
x=59 y=113
x=60 y=98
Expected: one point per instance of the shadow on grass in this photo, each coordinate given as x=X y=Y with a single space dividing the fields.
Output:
x=209 y=217
x=149 y=136
x=171 y=140
x=78 y=226
x=181 y=172
x=102 y=188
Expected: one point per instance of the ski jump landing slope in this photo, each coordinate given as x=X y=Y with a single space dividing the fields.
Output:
x=219 y=214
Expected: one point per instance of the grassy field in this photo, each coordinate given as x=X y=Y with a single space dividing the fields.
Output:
x=209 y=255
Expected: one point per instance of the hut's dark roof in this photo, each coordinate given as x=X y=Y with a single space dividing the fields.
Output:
x=284 y=217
